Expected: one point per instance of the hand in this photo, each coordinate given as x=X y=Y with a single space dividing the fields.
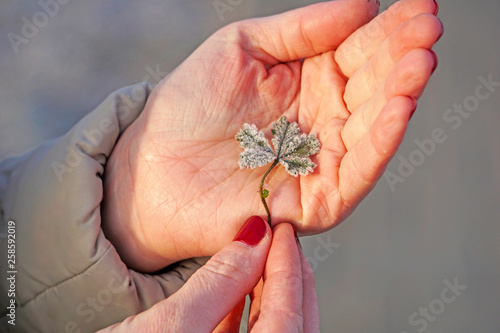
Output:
x=211 y=293
x=173 y=188
x=285 y=299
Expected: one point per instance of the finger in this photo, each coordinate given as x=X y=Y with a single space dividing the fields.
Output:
x=310 y=308
x=217 y=288
x=231 y=323
x=421 y=31
x=282 y=294
x=408 y=78
x=306 y=31
x=322 y=86
x=362 y=44
x=363 y=165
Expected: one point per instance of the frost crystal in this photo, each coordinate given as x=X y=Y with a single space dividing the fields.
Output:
x=292 y=148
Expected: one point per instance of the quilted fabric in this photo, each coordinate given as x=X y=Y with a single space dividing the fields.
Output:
x=69 y=276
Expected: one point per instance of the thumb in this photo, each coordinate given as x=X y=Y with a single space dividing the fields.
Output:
x=311 y=30
x=220 y=285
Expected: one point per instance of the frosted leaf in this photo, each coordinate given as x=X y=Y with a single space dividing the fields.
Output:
x=296 y=165
x=254 y=158
x=250 y=137
x=283 y=135
x=302 y=146
x=257 y=151
x=292 y=148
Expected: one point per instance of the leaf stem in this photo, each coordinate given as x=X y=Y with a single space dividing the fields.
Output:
x=261 y=188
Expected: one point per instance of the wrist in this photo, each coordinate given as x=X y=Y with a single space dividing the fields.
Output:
x=120 y=212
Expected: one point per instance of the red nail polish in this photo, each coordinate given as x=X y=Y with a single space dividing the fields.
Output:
x=252 y=231
x=437 y=7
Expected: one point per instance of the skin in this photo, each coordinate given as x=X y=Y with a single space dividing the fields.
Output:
x=173 y=188
x=230 y=275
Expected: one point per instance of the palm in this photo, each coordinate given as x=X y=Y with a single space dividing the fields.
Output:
x=192 y=195
x=202 y=173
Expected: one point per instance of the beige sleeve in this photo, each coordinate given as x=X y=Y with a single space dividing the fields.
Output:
x=68 y=277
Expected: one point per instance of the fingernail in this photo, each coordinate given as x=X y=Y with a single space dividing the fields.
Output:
x=252 y=231
x=435 y=60
x=436 y=10
x=414 y=106
x=442 y=28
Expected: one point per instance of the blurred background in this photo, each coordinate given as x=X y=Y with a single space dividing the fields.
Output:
x=420 y=254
